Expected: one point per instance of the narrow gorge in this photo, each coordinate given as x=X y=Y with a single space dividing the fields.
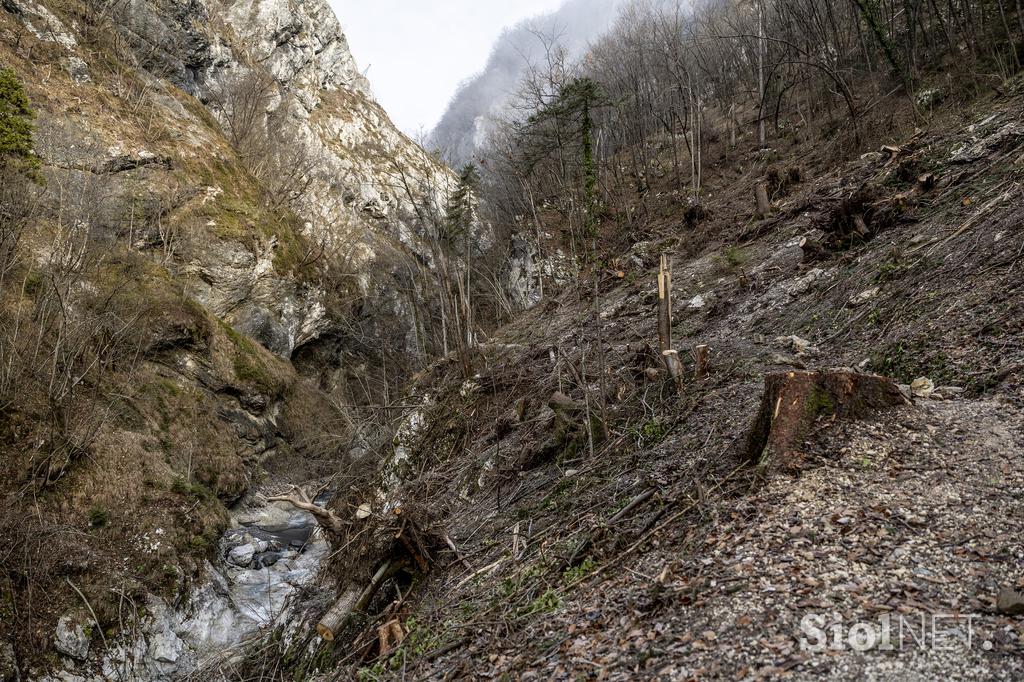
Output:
x=694 y=351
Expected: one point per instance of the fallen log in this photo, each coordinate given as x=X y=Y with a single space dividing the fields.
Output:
x=353 y=600
x=793 y=401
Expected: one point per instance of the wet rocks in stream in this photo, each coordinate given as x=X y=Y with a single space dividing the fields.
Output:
x=256 y=547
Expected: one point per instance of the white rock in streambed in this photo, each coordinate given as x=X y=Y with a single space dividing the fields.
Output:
x=242 y=555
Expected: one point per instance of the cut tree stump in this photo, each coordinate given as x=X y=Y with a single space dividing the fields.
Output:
x=764 y=204
x=813 y=250
x=793 y=401
x=674 y=366
x=701 y=361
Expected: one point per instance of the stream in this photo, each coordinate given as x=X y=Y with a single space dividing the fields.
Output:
x=267 y=554
x=272 y=552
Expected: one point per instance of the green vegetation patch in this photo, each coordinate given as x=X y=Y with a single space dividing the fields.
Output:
x=16 y=123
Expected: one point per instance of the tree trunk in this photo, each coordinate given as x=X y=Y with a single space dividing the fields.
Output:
x=793 y=401
x=335 y=618
x=352 y=600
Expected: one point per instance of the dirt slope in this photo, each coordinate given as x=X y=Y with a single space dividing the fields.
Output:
x=619 y=531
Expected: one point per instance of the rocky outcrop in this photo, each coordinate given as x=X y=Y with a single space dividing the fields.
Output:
x=366 y=195
x=141 y=158
x=368 y=179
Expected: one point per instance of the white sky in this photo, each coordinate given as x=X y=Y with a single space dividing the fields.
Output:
x=418 y=51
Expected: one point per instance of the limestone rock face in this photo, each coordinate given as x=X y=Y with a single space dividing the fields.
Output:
x=368 y=187
x=370 y=184
x=301 y=43
x=368 y=192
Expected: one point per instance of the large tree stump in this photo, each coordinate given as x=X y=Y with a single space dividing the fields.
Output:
x=793 y=401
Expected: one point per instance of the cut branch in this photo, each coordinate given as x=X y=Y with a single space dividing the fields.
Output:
x=325 y=517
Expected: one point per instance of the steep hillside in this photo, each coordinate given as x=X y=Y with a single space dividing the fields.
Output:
x=584 y=518
x=207 y=198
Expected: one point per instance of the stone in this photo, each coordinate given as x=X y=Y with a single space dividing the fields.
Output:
x=267 y=559
x=804 y=284
x=779 y=359
x=560 y=402
x=797 y=345
x=166 y=647
x=8 y=663
x=864 y=296
x=922 y=388
x=242 y=555
x=78 y=70
x=1010 y=602
x=71 y=638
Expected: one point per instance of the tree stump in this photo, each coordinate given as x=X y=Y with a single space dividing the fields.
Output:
x=764 y=204
x=813 y=250
x=793 y=401
x=701 y=361
x=674 y=366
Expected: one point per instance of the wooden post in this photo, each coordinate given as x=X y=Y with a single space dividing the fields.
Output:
x=701 y=359
x=665 y=305
x=764 y=206
x=668 y=354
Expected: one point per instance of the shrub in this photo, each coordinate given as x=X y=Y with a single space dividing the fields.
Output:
x=16 y=127
x=98 y=517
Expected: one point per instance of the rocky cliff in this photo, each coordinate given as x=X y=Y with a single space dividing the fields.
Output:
x=219 y=198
